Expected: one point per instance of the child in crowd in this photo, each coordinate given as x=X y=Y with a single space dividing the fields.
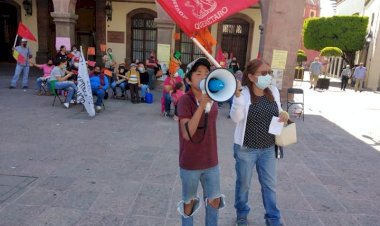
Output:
x=176 y=95
x=47 y=68
x=133 y=77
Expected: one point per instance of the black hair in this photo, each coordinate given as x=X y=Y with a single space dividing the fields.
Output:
x=200 y=61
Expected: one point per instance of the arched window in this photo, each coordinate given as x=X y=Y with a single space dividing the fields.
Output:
x=144 y=36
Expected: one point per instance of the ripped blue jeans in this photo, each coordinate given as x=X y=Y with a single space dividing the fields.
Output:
x=210 y=181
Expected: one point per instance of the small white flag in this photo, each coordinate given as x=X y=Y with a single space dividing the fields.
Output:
x=84 y=93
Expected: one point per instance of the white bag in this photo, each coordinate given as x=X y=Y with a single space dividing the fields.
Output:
x=288 y=135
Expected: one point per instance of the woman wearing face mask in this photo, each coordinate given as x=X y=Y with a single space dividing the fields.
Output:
x=46 y=68
x=120 y=80
x=253 y=108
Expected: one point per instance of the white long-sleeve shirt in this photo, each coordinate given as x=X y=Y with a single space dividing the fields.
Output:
x=240 y=108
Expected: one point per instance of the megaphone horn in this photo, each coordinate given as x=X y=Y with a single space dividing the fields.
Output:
x=220 y=85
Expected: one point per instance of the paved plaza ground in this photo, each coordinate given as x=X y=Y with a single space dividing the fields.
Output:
x=59 y=167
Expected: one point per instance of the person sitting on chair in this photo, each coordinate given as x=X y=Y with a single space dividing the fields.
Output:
x=144 y=80
x=47 y=68
x=99 y=86
x=120 y=80
x=61 y=76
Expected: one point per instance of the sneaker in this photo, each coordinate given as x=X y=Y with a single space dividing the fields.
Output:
x=242 y=222
x=72 y=101
x=98 y=108
x=67 y=105
x=12 y=87
x=25 y=87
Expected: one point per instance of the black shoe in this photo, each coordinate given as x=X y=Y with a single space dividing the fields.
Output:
x=25 y=87
x=142 y=99
x=12 y=87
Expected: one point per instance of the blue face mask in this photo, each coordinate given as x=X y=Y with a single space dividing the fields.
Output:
x=264 y=82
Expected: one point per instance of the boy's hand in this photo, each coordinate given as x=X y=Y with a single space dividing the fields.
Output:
x=204 y=100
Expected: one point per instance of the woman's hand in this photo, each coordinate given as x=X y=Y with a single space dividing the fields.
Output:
x=284 y=116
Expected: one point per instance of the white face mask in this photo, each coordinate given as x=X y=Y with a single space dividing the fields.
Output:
x=76 y=64
x=264 y=82
x=141 y=69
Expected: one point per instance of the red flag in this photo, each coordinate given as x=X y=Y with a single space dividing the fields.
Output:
x=194 y=15
x=24 y=32
x=220 y=58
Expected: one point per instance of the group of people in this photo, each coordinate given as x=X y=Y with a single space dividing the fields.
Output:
x=357 y=75
x=254 y=105
x=62 y=72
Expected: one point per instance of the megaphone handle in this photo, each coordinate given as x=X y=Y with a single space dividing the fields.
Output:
x=208 y=107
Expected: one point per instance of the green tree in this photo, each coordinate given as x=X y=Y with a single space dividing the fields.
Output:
x=331 y=52
x=301 y=57
x=345 y=32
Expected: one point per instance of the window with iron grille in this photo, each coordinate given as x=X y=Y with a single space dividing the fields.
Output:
x=144 y=36
x=235 y=34
x=189 y=51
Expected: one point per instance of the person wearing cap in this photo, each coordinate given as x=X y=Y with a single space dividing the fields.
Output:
x=22 y=65
x=198 y=157
x=47 y=68
x=346 y=74
x=254 y=106
x=133 y=77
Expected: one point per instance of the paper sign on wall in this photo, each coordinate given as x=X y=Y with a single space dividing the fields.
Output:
x=91 y=51
x=163 y=52
x=279 y=59
x=278 y=76
x=62 y=41
x=103 y=47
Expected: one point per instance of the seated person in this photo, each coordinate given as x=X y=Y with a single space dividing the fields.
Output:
x=120 y=80
x=60 y=75
x=99 y=86
x=133 y=77
x=144 y=80
x=74 y=69
x=47 y=68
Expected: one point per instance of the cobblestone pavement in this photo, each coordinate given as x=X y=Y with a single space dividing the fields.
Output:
x=59 y=167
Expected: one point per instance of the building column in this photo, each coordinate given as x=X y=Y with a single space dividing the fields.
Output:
x=165 y=26
x=42 y=54
x=274 y=14
x=65 y=19
x=100 y=35
x=330 y=66
x=340 y=66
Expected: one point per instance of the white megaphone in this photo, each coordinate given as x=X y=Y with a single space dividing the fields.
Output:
x=220 y=85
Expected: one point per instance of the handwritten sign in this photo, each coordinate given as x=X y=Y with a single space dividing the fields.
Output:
x=62 y=41
x=84 y=92
x=91 y=51
x=279 y=59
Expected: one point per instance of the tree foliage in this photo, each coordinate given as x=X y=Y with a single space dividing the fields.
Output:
x=331 y=52
x=345 y=32
x=301 y=56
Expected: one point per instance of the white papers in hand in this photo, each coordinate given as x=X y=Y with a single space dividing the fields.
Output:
x=275 y=126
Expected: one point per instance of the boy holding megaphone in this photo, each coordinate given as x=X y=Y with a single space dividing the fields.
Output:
x=198 y=158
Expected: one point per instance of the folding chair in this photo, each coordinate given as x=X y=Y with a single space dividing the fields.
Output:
x=289 y=103
x=54 y=92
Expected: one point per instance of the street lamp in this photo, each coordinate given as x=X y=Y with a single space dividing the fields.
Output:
x=108 y=10
x=28 y=7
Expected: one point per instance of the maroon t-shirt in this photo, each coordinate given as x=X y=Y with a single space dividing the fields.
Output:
x=197 y=156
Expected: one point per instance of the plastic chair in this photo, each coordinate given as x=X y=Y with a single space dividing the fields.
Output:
x=296 y=91
x=54 y=92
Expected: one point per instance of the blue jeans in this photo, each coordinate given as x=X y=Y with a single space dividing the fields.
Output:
x=121 y=85
x=25 y=74
x=39 y=83
x=69 y=86
x=210 y=181
x=266 y=167
x=168 y=101
x=100 y=93
x=144 y=90
x=152 y=77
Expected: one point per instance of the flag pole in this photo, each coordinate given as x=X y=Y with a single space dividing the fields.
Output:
x=14 y=44
x=208 y=55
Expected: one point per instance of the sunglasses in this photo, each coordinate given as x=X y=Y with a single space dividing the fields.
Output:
x=263 y=73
